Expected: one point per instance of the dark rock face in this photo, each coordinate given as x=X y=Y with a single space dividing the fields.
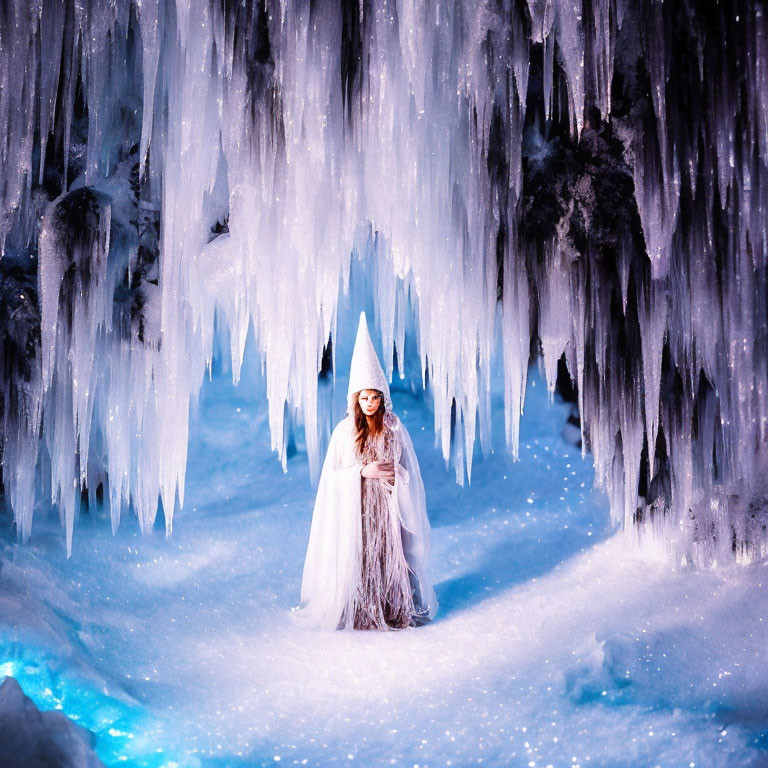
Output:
x=19 y=340
x=20 y=323
x=36 y=739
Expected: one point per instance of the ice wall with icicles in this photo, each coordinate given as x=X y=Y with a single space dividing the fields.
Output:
x=584 y=179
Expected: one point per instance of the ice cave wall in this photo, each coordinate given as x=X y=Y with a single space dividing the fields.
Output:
x=584 y=180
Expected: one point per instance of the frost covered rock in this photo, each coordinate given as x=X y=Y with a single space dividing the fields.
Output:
x=35 y=739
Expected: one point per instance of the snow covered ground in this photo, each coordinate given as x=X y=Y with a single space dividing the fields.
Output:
x=556 y=642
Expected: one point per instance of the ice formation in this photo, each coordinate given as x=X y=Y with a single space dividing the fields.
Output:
x=587 y=174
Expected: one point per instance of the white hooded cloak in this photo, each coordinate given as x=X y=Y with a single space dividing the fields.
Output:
x=333 y=564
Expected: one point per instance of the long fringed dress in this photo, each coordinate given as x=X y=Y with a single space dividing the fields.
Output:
x=368 y=546
x=384 y=596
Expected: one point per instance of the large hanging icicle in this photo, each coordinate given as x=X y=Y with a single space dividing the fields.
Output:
x=591 y=173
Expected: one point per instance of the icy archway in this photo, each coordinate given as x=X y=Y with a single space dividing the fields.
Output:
x=590 y=174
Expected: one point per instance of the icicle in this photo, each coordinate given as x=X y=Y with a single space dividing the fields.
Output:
x=554 y=311
x=51 y=42
x=73 y=298
x=600 y=39
x=516 y=343
x=542 y=19
x=652 y=316
x=657 y=178
x=276 y=155
x=570 y=37
x=20 y=55
x=149 y=20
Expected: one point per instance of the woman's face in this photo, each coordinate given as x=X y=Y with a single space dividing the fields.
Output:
x=369 y=400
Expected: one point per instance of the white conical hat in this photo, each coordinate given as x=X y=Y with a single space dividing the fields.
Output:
x=366 y=372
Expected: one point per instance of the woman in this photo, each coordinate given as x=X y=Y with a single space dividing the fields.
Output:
x=369 y=541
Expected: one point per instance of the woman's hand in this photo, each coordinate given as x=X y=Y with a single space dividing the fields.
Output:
x=379 y=469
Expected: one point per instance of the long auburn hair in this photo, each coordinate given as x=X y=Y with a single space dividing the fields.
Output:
x=362 y=429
